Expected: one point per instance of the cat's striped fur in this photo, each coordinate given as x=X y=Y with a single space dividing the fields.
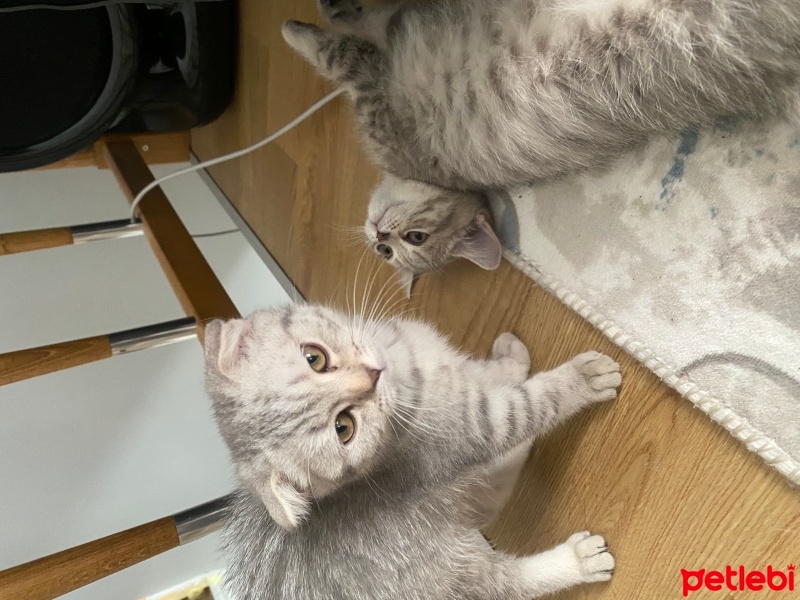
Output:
x=394 y=512
x=473 y=95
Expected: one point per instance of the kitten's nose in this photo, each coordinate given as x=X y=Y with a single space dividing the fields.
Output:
x=382 y=236
x=374 y=375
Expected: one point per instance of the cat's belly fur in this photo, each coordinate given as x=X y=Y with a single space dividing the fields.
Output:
x=517 y=99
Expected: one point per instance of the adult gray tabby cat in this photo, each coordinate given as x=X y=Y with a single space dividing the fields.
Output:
x=371 y=451
x=455 y=98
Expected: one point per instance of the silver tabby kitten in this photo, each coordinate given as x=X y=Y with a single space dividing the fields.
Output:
x=460 y=96
x=371 y=452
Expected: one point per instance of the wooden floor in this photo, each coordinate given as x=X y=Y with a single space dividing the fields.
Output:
x=666 y=486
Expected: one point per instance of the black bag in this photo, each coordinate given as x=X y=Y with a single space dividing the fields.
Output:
x=69 y=76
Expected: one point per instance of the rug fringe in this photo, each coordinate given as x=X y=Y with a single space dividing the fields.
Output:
x=740 y=428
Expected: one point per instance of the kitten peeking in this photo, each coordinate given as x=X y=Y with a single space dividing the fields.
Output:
x=372 y=452
x=418 y=228
x=457 y=98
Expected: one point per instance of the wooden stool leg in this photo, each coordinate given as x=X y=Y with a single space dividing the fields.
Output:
x=63 y=572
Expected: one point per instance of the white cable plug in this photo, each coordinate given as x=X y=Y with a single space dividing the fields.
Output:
x=215 y=161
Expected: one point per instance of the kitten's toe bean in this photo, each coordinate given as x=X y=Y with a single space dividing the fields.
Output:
x=605 y=382
x=601 y=373
x=595 y=561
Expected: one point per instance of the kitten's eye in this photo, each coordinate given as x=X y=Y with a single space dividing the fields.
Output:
x=316 y=358
x=384 y=250
x=417 y=238
x=345 y=426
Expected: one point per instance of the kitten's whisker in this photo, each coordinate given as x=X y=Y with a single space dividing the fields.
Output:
x=355 y=286
x=419 y=425
x=311 y=487
x=377 y=305
x=411 y=403
x=411 y=421
x=332 y=295
x=382 y=320
x=370 y=479
x=366 y=320
x=407 y=429
x=423 y=437
x=397 y=299
x=352 y=243
x=390 y=320
x=365 y=292
x=386 y=296
x=354 y=233
x=409 y=408
x=382 y=305
x=348 y=228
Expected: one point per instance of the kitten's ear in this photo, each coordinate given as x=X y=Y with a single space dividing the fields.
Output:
x=407 y=279
x=229 y=341
x=481 y=246
x=211 y=338
x=287 y=505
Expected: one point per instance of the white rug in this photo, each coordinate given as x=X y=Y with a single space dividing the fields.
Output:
x=687 y=255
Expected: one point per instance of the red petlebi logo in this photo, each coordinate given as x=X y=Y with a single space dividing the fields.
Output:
x=738 y=580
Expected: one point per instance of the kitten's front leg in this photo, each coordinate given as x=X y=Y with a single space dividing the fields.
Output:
x=588 y=378
x=496 y=418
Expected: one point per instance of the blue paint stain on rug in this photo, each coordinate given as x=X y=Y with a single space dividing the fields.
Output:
x=686 y=147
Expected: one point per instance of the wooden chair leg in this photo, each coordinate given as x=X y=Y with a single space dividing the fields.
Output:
x=25 y=364
x=58 y=574
x=42 y=239
x=25 y=241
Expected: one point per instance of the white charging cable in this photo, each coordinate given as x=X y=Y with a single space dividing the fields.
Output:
x=215 y=161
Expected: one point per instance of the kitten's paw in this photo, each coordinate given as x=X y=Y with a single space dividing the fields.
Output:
x=342 y=11
x=595 y=562
x=512 y=353
x=600 y=374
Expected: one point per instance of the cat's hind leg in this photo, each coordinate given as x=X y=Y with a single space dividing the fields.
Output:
x=511 y=357
x=510 y=362
x=583 y=558
x=342 y=58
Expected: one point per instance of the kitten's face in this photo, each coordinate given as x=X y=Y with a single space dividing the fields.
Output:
x=302 y=397
x=419 y=228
